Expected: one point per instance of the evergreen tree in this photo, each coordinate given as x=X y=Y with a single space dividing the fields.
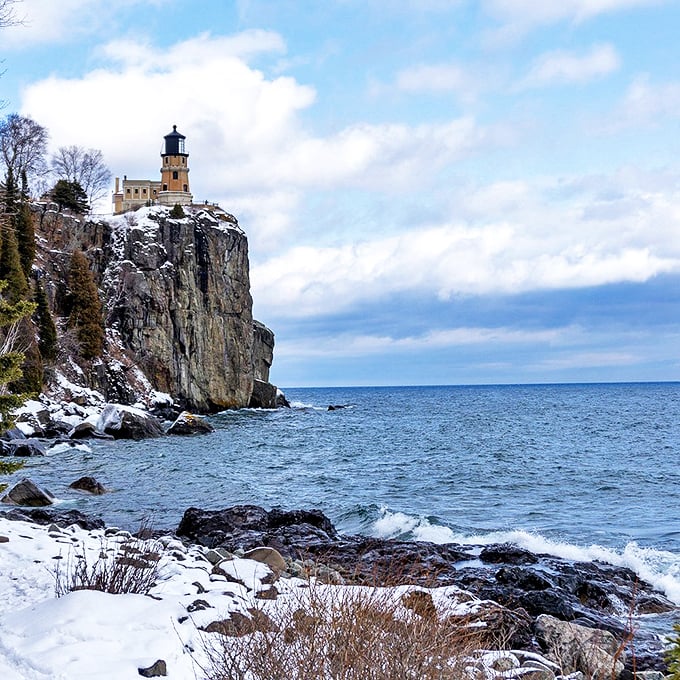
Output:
x=10 y=367
x=177 y=212
x=70 y=195
x=11 y=270
x=673 y=654
x=11 y=315
x=86 y=308
x=47 y=331
x=23 y=227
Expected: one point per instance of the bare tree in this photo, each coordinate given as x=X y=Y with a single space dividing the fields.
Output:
x=23 y=146
x=85 y=166
x=7 y=15
x=7 y=18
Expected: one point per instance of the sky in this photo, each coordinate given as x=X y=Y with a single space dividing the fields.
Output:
x=434 y=191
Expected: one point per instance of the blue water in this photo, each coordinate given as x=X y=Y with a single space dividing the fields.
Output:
x=585 y=471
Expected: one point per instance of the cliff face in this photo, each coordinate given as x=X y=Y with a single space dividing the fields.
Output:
x=177 y=300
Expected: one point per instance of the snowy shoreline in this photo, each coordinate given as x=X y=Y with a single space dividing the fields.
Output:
x=198 y=590
x=92 y=634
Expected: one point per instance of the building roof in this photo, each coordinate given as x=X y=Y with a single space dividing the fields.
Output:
x=174 y=133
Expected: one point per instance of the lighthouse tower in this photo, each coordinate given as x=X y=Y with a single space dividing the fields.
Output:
x=174 y=171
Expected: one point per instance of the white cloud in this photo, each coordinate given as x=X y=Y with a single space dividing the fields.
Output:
x=565 y=67
x=346 y=345
x=52 y=21
x=536 y=242
x=647 y=102
x=436 y=78
x=517 y=17
x=243 y=128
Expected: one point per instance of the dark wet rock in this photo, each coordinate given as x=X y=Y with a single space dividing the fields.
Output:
x=55 y=429
x=27 y=447
x=188 y=423
x=156 y=670
x=84 y=430
x=5 y=448
x=337 y=407
x=89 y=485
x=525 y=586
x=27 y=493
x=264 y=395
x=281 y=401
x=244 y=526
x=62 y=518
x=506 y=553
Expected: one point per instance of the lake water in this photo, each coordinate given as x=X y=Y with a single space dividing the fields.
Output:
x=582 y=471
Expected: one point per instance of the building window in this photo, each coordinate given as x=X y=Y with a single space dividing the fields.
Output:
x=165 y=187
x=167 y=160
x=136 y=191
x=127 y=191
x=154 y=192
x=186 y=188
x=175 y=175
x=143 y=191
x=182 y=160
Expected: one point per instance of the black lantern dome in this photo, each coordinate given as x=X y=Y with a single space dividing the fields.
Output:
x=174 y=143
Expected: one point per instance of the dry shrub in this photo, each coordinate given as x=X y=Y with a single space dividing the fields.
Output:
x=128 y=567
x=346 y=633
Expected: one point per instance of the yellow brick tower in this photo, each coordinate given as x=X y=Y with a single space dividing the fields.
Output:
x=174 y=171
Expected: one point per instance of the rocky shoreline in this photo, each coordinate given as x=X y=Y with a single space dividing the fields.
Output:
x=530 y=599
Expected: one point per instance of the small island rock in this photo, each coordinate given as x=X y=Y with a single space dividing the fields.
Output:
x=89 y=485
x=188 y=423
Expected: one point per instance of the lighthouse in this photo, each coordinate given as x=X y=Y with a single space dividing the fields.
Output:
x=174 y=170
x=173 y=187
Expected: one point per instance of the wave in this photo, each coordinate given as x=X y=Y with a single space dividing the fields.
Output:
x=660 y=568
x=304 y=406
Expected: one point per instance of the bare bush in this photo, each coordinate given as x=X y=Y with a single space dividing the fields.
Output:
x=128 y=567
x=345 y=633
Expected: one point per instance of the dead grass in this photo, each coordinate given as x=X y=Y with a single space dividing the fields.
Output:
x=346 y=633
x=130 y=566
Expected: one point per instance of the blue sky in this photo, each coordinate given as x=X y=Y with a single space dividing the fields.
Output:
x=435 y=191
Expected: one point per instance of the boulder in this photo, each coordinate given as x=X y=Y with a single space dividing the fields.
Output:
x=156 y=670
x=269 y=556
x=27 y=447
x=281 y=401
x=595 y=653
x=188 y=423
x=126 y=422
x=83 y=430
x=246 y=527
x=27 y=493
x=506 y=553
x=89 y=485
x=263 y=396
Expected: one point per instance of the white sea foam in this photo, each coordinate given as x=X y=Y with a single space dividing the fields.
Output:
x=658 y=567
x=304 y=405
x=68 y=446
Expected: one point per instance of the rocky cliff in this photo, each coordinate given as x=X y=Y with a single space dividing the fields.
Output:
x=177 y=301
